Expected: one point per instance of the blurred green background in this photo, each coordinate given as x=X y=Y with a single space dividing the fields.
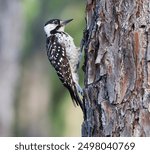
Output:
x=32 y=100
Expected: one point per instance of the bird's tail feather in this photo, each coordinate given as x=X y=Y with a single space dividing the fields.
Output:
x=75 y=96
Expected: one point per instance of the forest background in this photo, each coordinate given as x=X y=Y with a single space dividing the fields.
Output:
x=32 y=100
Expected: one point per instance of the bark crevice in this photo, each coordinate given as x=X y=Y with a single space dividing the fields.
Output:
x=117 y=76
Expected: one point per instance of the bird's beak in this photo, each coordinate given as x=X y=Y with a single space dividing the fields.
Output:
x=63 y=23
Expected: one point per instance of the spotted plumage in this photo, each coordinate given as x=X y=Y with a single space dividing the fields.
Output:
x=64 y=56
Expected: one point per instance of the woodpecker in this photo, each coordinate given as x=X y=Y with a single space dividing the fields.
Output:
x=64 y=56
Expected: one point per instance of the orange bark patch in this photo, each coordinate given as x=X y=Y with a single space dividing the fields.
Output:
x=136 y=46
x=148 y=64
x=123 y=86
x=137 y=60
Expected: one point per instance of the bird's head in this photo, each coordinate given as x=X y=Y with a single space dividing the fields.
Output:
x=55 y=25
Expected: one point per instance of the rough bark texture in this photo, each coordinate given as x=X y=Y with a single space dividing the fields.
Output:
x=117 y=68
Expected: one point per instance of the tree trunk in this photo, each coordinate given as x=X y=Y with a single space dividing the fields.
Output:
x=10 y=39
x=117 y=68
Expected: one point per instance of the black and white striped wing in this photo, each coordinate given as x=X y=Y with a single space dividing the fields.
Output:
x=56 y=53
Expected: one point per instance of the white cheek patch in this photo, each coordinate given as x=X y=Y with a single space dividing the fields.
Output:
x=61 y=29
x=49 y=28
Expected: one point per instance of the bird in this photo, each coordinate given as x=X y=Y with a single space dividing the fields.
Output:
x=64 y=56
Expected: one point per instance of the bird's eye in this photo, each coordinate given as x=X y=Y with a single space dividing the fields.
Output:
x=55 y=22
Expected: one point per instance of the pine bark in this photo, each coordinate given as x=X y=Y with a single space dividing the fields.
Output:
x=117 y=68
